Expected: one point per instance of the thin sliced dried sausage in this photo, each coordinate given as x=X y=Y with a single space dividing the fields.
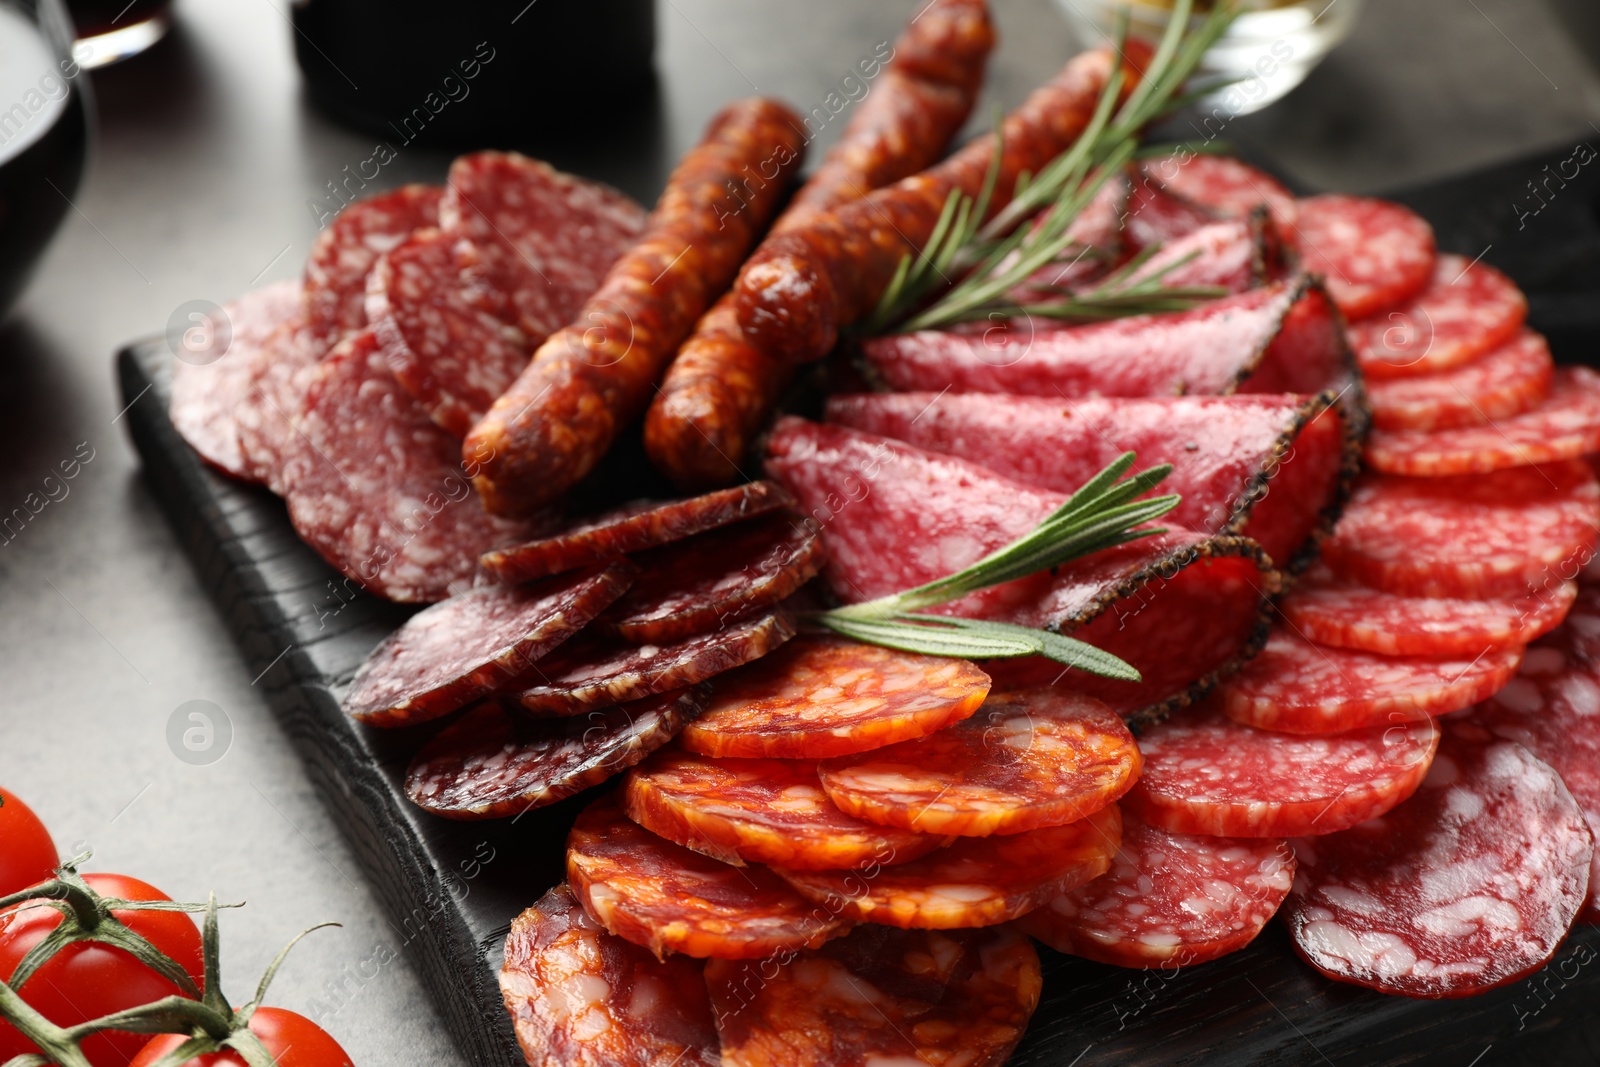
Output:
x=1505 y=382
x=335 y=288
x=1468 y=309
x=1373 y=253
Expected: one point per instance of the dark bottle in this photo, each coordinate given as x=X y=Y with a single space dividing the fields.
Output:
x=113 y=30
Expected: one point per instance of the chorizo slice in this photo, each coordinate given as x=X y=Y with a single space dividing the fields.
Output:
x=668 y=898
x=1038 y=757
x=978 y=881
x=759 y=811
x=828 y=696
x=334 y=290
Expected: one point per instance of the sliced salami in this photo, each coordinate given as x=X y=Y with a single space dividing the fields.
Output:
x=1374 y=254
x=1506 y=534
x=1471 y=884
x=1204 y=774
x=379 y=490
x=716 y=578
x=1169 y=900
x=759 y=811
x=596 y=672
x=1297 y=687
x=445 y=329
x=1507 y=381
x=670 y=899
x=1037 y=757
x=826 y=696
x=883 y=997
x=581 y=997
x=1227 y=186
x=471 y=645
x=344 y=254
x=490 y=763
x=1333 y=611
x=266 y=420
x=1467 y=310
x=1565 y=426
x=633 y=529
x=978 y=881
x=213 y=378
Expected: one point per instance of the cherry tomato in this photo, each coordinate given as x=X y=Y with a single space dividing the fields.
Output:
x=27 y=855
x=87 y=980
x=293 y=1040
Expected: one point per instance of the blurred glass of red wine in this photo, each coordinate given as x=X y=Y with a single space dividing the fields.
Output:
x=110 y=30
x=44 y=134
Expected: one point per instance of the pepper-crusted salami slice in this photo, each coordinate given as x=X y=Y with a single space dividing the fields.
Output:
x=454 y=652
x=1470 y=884
x=1229 y=255
x=491 y=763
x=759 y=811
x=334 y=295
x=826 y=696
x=1206 y=775
x=1373 y=253
x=633 y=529
x=1226 y=185
x=1297 y=687
x=1565 y=426
x=880 y=996
x=580 y=997
x=595 y=376
x=1507 y=381
x=380 y=491
x=715 y=578
x=1337 y=612
x=978 y=881
x=1468 y=309
x=206 y=395
x=595 y=672
x=670 y=899
x=1038 y=757
x=1169 y=899
x=1504 y=534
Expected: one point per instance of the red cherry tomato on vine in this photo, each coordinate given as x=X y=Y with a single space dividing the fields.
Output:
x=27 y=855
x=86 y=980
x=293 y=1040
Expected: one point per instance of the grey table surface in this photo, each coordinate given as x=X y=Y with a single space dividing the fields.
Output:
x=207 y=154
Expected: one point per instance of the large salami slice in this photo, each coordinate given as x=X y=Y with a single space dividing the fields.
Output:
x=1565 y=426
x=580 y=997
x=1505 y=382
x=826 y=696
x=265 y=419
x=1337 y=612
x=1169 y=900
x=759 y=811
x=380 y=491
x=1268 y=466
x=1373 y=253
x=595 y=672
x=490 y=763
x=1471 y=884
x=978 y=881
x=1206 y=775
x=211 y=383
x=454 y=652
x=1297 y=687
x=895 y=517
x=880 y=996
x=1228 y=186
x=670 y=899
x=1467 y=310
x=1505 y=534
x=1032 y=758
x=633 y=529
x=344 y=254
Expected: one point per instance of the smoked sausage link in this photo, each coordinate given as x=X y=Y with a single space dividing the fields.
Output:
x=594 y=376
x=719 y=388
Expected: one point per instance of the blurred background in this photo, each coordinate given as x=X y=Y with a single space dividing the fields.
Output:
x=212 y=155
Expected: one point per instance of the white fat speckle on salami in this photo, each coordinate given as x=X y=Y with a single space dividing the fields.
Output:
x=344 y=254
x=1373 y=253
x=1507 y=381
x=1467 y=310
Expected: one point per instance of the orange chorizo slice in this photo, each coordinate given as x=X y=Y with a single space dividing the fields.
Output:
x=978 y=881
x=1032 y=758
x=827 y=696
x=671 y=899
x=759 y=811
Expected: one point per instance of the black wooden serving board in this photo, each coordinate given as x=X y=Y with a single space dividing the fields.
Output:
x=453 y=888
